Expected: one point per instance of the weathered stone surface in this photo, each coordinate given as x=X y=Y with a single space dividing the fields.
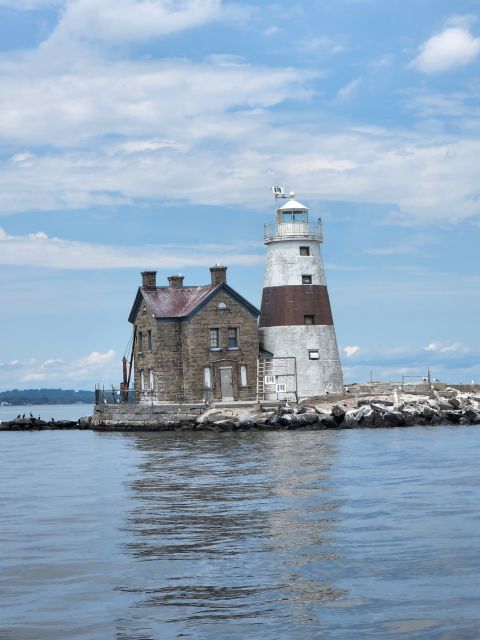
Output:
x=454 y=402
x=338 y=413
x=393 y=419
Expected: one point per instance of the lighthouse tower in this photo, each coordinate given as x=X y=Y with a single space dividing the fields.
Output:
x=296 y=319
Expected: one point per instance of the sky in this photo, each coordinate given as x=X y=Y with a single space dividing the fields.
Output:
x=147 y=134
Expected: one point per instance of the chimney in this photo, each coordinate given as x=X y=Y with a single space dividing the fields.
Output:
x=149 y=280
x=175 y=282
x=219 y=275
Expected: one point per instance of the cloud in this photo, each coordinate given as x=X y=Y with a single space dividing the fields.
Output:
x=86 y=370
x=445 y=348
x=38 y=250
x=322 y=44
x=351 y=351
x=34 y=377
x=119 y=21
x=85 y=129
x=448 y=361
x=453 y=47
x=95 y=358
x=349 y=91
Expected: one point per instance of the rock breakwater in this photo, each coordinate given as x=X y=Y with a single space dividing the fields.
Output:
x=392 y=410
x=449 y=407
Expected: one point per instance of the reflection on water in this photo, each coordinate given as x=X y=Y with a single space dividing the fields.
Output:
x=234 y=529
x=369 y=534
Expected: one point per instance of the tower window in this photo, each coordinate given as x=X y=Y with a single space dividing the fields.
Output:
x=313 y=354
x=306 y=279
x=308 y=319
x=304 y=251
x=214 y=338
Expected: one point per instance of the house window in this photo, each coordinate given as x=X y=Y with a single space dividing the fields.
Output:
x=221 y=305
x=308 y=319
x=270 y=379
x=149 y=340
x=232 y=338
x=306 y=279
x=214 y=338
x=313 y=354
x=207 y=378
x=140 y=341
x=281 y=387
x=304 y=251
x=150 y=379
x=243 y=375
x=142 y=380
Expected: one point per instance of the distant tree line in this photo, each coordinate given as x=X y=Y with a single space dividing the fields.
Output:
x=46 y=396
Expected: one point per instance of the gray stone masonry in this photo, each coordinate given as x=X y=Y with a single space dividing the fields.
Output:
x=181 y=350
x=197 y=354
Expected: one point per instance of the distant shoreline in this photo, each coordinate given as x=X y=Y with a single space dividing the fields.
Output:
x=45 y=397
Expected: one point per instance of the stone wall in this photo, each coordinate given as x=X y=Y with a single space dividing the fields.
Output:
x=164 y=359
x=181 y=350
x=197 y=353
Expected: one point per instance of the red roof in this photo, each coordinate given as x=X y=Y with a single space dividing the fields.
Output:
x=169 y=302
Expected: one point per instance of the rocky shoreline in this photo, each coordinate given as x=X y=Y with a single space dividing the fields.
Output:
x=448 y=407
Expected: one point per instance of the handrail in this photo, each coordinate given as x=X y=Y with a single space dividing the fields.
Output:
x=284 y=230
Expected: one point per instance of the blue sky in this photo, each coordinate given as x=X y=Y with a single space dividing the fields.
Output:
x=142 y=134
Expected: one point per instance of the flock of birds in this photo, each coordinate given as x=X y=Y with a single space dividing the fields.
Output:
x=32 y=417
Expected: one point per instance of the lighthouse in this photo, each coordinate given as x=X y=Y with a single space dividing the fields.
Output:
x=296 y=320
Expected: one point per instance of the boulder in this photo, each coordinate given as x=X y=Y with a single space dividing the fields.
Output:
x=454 y=402
x=338 y=414
x=393 y=419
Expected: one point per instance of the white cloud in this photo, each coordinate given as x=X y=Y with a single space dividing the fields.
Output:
x=95 y=358
x=351 y=351
x=452 y=348
x=38 y=250
x=86 y=370
x=322 y=44
x=88 y=130
x=117 y=21
x=34 y=377
x=453 y=47
x=349 y=91
x=448 y=361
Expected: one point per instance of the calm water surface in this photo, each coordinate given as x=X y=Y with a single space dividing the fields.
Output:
x=47 y=412
x=351 y=534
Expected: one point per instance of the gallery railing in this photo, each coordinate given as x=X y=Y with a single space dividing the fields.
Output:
x=283 y=230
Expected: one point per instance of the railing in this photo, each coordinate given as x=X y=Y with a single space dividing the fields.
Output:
x=114 y=395
x=284 y=230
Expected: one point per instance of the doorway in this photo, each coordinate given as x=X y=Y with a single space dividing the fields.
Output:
x=226 y=383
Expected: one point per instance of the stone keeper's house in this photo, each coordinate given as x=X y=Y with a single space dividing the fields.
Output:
x=194 y=344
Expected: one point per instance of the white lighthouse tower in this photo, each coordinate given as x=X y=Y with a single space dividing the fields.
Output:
x=296 y=318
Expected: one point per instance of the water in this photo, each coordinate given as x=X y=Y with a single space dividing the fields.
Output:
x=47 y=411
x=295 y=535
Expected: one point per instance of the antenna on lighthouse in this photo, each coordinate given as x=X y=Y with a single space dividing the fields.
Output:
x=279 y=192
